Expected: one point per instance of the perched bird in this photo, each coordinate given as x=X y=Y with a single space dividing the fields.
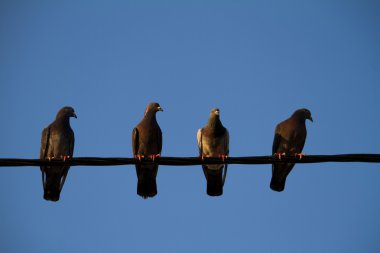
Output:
x=289 y=139
x=213 y=141
x=57 y=142
x=147 y=142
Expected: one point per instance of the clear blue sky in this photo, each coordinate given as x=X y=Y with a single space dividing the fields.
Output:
x=257 y=61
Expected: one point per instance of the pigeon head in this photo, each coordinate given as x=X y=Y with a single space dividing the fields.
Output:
x=66 y=112
x=214 y=112
x=153 y=107
x=214 y=119
x=303 y=114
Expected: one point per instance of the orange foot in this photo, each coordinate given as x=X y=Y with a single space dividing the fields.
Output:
x=64 y=157
x=139 y=157
x=203 y=157
x=299 y=155
x=279 y=155
x=223 y=157
x=50 y=158
x=153 y=157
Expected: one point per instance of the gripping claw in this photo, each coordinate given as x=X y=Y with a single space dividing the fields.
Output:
x=299 y=155
x=139 y=157
x=153 y=157
x=279 y=155
x=223 y=157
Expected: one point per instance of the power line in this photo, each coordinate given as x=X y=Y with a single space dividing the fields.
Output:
x=189 y=161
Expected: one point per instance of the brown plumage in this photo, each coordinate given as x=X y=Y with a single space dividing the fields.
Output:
x=290 y=136
x=213 y=141
x=57 y=142
x=147 y=142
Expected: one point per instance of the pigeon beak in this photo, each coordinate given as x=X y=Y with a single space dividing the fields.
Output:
x=311 y=119
x=160 y=109
x=74 y=115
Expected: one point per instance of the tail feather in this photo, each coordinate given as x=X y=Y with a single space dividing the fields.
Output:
x=55 y=179
x=147 y=187
x=277 y=184
x=279 y=174
x=52 y=187
x=214 y=181
x=146 y=181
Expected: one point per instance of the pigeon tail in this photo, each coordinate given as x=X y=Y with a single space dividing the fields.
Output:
x=52 y=189
x=51 y=195
x=147 y=186
x=277 y=185
x=214 y=182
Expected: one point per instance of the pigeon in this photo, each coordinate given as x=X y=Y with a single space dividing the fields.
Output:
x=57 y=142
x=213 y=141
x=147 y=142
x=289 y=139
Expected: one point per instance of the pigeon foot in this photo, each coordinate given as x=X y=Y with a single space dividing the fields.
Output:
x=64 y=157
x=153 y=157
x=139 y=157
x=299 y=155
x=223 y=157
x=279 y=155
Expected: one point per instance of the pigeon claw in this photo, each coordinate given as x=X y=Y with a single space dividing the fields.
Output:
x=64 y=157
x=204 y=156
x=299 y=155
x=279 y=155
x=153 y=157
x=223 y=157
x=139 y=157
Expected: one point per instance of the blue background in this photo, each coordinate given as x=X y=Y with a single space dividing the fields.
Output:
x=257 y=61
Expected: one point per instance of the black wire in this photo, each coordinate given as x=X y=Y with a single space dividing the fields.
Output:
x=189 y=161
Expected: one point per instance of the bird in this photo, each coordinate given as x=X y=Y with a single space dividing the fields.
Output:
x=213 y=141
x=289 y=139
x=57 y=142
x=147 y=142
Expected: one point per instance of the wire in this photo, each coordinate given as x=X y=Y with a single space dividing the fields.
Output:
x=189 y=161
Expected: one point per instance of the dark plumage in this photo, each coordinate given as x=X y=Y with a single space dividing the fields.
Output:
x=57 y=142
x=290 y=136
x=147 y=142
x=213 y=141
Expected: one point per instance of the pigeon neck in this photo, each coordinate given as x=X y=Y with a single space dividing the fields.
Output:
x=63 y=120
x=300 y=118
x=150 y=115
x=214 y=122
